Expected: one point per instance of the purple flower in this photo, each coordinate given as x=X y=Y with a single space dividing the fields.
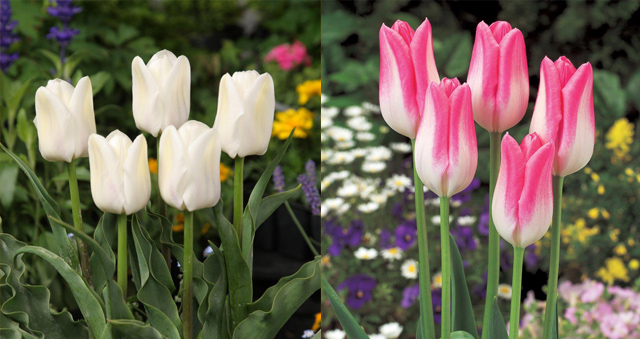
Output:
x=481 y=289
x=397 y=210
x=530 y=257
x=310 y=168
x=343 y=236
x=483 y=223
x=63 y=10
x=62 y=36
x=360 y=287
x=464 y=238
x=385 y=239
x=7 y=37
x=436 y=301
x=406 y=234
x=311 y=193
x=409 y=295
x=278 y=179
x=465 y=195
x=506 y=259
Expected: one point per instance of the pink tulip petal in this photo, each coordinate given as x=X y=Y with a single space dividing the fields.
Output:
x=547 y=112
x=462 y=148
x=483 y=76
x=404 y=29
x=530 y=144
x=565 y=69
x=508 y=188
x=499 y=29
x=512 y=95
x=424 y=62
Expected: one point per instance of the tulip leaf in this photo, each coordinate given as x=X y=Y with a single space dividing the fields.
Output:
x=27 y=131
x=25 y=309
x=461 y=335
x=318 y=335
x=62 y=243
x=349 y=324
x=133 y=329
x=497 y=328
x=14 y=98
x=554 y=324
x=271 y=203
x=213 y=317
x=454 y=54
x=609 y=98
x=238 y=274
x=88 y=303
x=462 y=309
x=54 y=58
x=8 y=179
x=269 y=313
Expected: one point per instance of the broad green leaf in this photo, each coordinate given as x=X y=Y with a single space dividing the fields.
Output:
x=26 y=129
x=98 y=81
x=461 y=335
x=349 y=324
x=454 y=54
x=212 y=317
x=609 y=98
x=26 y=307
x=65 y=248
x=271 y=203
x=462 y=309
x=87 y=302
x=633 y=89
x=8 y=179
x=279 y=302
x=318 y=335
x=238 y=275
x=54 y=58
x=133 y=329
x=14 y=98
x=73 y=61
x=343 y=24
x=497 y=329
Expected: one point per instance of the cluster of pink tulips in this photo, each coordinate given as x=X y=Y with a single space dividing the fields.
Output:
x=526 y=187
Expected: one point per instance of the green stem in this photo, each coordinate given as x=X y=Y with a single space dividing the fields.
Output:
x=122 y=254
x=237 y=197
x=554 y=264
x=445 y=246
x=162 y=207
x=493 y=274
x=77 y=221
x=301 y=229
x=516 y=290
x=424 y=271
x=187 y=296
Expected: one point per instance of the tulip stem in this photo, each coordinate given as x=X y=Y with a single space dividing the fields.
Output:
x=187 y=277
x=445 y=254
x=77 y=221
x=424 y=271
x=301 y=229
x=122 y=254
x=493 y=273
x=554 y=264
x=237 y=197
x=162 y=206
x=516 y=290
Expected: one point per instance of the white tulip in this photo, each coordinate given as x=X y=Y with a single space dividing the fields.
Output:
x=64 y=119
x=120 y=179
x=161 y=92
x=189 y=166
x=246 y=105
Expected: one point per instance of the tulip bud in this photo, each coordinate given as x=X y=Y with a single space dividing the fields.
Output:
x=564 y=113
x=161 y=92
x=407 y=67
x=189 y=166
x=246 y=104
x=498 y=76
x=523 y=199
x=64 y=119
x=446 y=147
x=120 y=177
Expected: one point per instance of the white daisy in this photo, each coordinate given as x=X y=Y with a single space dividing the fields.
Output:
x=347 y=190
x=373 y=166
x=333 y=203
x=391 y=330
x=365 y=253
x=437 y=280
x=353 y=111
x=399 y=182
x=391 y=254
x=371 y=107
x=401 y=147
x=409 y=269
x=504 y=291
x=365 y=136
x=369 y=207
x=466 y=220
x=329 y=112
x=334 y=334
x=325 y=122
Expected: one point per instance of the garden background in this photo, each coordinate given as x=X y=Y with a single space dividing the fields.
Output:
x=217 y=37
x=601 y=217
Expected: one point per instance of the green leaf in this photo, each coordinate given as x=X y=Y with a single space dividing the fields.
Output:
x=454 y=55
x=349 y=324
x=73 y=61
x=213 y=319
x=461 y=335
x=609 y=98
x=8 y=179
x=269 y=313
x=462 y=309
x=342 y=23
x=54 y=58
x=86 y=300
x=98 y=81
x=497 y=329
x=64 y=247
x=271 y=203
x=26 y=129
x=17 y=90
x=133 y=329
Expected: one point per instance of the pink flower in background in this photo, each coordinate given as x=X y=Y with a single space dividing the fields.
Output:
x=289 y=56
x=593 y=292
x=614 y=327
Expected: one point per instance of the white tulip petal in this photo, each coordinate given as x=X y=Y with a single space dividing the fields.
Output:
x=259 y=106
x=107 y=182
x=137 y=178
x=54 y=124
x=176 y=93
x=203 y=187
x=230 y=108
x=81 y=108
x=145 y=93
x=164 y=54
x=61 y=89
x=172 y=168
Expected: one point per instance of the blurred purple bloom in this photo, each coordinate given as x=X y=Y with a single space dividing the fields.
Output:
x=436 y=301
x=62 y=36
x=278 y=179
x=397 y=210
x=465 y=195
x=310 y=168
x=464 y=238
x=481 y=289
x=343 y=236
x=7 y=37
x=506 y=257
x=483 y=223
x=409 y=295
x=360 y=287
x=63 y=10
x=385 y=239
x=406 y=234
x=311 y=193
x=530 y=257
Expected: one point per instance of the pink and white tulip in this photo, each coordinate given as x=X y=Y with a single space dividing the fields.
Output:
x=407 y=67
x=564 y=113
x=522 y=206
x=498 y=76
x=446 y=147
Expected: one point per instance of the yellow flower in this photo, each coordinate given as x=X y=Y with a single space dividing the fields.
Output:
x=614 y=270
x=620 y=137
x=620 y=249
x=631 y=242
x=316 y=323
x=605 y=214
x=308 y=89
x=628 y=171
x=225 y=172
x=302 y=120
x=601 y=189
x=634 y=264
x=587 y=170
x=595 y=177
x=593 y=213
x=180 y=218
x=178 y=228
x=325 y=260
x=153 y=166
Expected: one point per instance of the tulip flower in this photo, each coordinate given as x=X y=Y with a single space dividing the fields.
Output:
x=244 y=120
x=564 y=113
x=407 y=67
x=189 y=166
x=523 y=199
x=446 y=147
x=498 y=76
x=161 y=92
x=64 y=119
x=120 y=177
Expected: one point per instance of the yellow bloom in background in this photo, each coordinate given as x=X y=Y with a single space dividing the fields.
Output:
x=587 y=170
x=620 y=249
x=631 y=242
x=225 y=172
x=620 y=137
x=179 y=227
x=634 y=264
x=628 y=171
x=301 y=119
x=601 y=189
x=614 y=270
x=316 y=323
x=593 y=213
x=578 y=232
x=153 y=166
x=605 y=214
x=308 y=89
x=595 y=177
